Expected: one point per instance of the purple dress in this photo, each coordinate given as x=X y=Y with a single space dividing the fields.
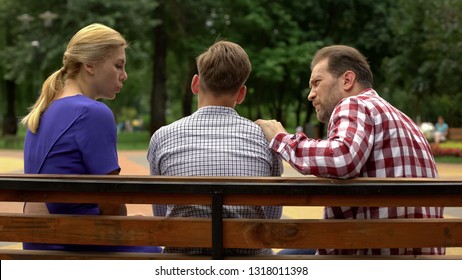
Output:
x=77 y=135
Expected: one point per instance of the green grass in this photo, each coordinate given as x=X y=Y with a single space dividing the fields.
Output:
x=15 y=142
x=136 y=140
x=446 y=159
x=127 y=141
x=451 y=144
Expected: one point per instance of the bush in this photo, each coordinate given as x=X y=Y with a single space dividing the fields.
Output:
x=445 y=151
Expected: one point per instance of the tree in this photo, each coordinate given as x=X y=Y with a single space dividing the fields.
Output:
x=136 y=21
x=21 y=54
x=158 y=95
x=10 y=124
x=27 y=66
x=424 y=67
x=412 y=46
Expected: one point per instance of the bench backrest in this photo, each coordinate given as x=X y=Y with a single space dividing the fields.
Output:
x=455 y=133
x=219 y=233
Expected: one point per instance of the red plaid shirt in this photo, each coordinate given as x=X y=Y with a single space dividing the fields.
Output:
x=367 y=137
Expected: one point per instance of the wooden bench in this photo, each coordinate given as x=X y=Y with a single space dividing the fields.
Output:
x=218 y=233
x=455 y=133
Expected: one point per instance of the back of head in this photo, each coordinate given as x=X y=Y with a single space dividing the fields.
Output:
x=91 y=44
x=344 y=58
x=223 y=68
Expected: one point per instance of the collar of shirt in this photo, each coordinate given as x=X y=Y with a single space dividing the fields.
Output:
x=369 y=91
x=216 y=110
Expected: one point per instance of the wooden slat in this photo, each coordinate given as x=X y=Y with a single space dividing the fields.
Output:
x=150 y=183
x=11 y=254
x=342 y=234
x=238 y=233
x=345 y=200
x=8 y=254
x=226 y=179
x=449 y=200
x=345 y=257
x=105 y=230
x=95 y=197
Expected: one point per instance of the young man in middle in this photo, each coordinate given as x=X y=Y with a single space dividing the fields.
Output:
x=215 y=140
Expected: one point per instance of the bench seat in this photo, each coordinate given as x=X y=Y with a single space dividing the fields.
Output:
x=219 y=233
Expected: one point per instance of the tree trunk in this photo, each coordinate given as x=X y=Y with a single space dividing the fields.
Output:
x=298 y=113
x=308 y=128
x=10 y=123
x=158 y=94
x=188 y=95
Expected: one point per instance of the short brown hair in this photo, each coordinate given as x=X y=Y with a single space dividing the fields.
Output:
x=223 y=68
x=343 y=58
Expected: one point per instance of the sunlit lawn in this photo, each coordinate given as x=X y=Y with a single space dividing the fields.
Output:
x=452 y=144
x=136 y=140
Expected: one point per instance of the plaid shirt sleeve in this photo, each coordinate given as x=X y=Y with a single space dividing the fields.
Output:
x=152 y=157
x=343 y=154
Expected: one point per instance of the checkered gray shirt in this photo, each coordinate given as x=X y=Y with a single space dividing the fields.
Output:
x=214 y=141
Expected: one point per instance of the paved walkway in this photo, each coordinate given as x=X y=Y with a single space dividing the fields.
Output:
x=135 y=163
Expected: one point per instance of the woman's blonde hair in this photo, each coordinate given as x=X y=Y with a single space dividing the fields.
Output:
x=91 y=44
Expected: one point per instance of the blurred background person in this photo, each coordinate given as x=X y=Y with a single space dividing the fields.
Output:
x=441 y=130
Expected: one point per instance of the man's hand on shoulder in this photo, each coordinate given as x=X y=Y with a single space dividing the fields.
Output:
x=270 y=128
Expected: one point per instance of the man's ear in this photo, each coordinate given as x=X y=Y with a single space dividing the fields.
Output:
x=195 y=84
x=241 y=95
x=349 y=79
x=89 y=68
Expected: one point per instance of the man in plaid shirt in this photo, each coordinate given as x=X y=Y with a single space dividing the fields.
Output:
x=366 y=137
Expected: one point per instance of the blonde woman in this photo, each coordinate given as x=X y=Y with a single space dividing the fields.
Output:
x=69 y=132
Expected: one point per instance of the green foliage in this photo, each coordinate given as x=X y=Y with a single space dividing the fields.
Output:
x=414 y=48
x=426 y=57
x=135 y=21
x=29 y=67
x=13 y=142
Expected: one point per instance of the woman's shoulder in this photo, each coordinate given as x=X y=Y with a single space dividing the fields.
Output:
x=84 y=109
x=90 y=107
x=79 y=101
